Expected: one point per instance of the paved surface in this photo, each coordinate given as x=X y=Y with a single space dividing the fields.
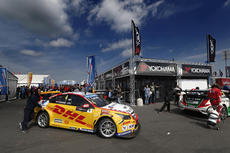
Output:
x=174 y=132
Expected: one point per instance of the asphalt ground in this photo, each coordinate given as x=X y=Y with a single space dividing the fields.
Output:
x=174 y=132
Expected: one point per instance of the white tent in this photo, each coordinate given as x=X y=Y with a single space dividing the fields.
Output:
x=36 y=79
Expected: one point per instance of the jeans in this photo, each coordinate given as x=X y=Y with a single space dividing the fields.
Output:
x=146 y=99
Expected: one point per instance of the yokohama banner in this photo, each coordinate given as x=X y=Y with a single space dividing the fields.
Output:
x=160 y=69
x=196 y=70
x=211 y=48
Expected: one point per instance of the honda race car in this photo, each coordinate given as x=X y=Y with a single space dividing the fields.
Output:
x=198 y=100
x=87 y=112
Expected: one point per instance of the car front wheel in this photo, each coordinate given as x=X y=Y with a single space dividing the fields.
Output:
x=107 y=128
x=224 y=112
x=43 y=120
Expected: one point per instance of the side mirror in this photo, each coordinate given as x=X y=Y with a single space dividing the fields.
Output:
x=85 y=106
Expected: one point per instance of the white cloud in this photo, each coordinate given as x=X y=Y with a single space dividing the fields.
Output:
x=118 y=14
x=60 y=42
x=226 y=3
x=40 y=16
x=30 y=52
x=127 y=53
x=122 y=44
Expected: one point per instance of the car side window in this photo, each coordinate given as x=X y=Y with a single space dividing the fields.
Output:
x=78 y=101
x=61 y=99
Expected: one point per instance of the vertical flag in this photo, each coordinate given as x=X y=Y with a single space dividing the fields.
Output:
x=52 y=83
x=91 y=70
x=227 y=68
x=136 y=39
x=29 y=78
x=3 y=81
x=211 y=45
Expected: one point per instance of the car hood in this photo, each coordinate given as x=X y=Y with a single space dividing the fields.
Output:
x=119 y=107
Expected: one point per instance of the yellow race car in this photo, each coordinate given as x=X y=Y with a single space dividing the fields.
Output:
x=87 y=112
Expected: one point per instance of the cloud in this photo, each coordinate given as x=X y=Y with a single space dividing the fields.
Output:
x=204 y=55
x=40 y=16
x=118 y=14
x=122 y=44
x=127 y=53
x=60 y=42
x=226 y=3
x=30 y=52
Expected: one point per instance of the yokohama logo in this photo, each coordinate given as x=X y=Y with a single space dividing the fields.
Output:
x=198 y=70
x=162 y=69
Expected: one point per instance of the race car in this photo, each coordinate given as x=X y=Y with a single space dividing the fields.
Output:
x=197 y=100
x=87 y=112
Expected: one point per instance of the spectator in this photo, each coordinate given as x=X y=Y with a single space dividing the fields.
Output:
x=177 y=92
x=153 y=91
x=147 y=94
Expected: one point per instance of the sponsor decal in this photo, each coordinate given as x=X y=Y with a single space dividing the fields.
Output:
x=105 y=112
x=124 y=133
x=58 y=120
x=126 y=122
x=86 y=130
x=124 y=128
x=131 y=126
x=72 y=128
x=66 y=122
x=70 y=115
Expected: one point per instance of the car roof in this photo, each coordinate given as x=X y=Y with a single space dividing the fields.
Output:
x=50 y=92
x=86 y=95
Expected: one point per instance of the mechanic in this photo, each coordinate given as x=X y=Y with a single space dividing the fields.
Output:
x=214 y=94
x=32 y=102
x=168 y=97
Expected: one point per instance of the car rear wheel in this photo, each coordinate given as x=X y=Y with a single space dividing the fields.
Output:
x=43 y=120
x=107 y=128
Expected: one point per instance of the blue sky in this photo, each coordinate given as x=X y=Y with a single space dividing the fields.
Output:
x=55 y=36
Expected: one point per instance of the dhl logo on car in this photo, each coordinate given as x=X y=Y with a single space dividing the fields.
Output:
x=69 y=114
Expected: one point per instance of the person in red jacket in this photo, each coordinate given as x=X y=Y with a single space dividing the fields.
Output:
x=214 y=94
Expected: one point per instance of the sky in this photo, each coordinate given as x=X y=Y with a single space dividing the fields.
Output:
x=55 y=36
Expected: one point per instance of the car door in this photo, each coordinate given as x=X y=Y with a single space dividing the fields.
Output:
x=57 y=108
x=81 y=118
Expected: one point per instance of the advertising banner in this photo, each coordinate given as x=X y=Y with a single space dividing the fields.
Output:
x=121 y=70
x=227 y=71
x=29 y=78
x=108 y=75
x=196 y=70
x=52 y=83
x=160 y=69
x=136 y=39
x=91 y=70
x=3 y=81
x=211 y=48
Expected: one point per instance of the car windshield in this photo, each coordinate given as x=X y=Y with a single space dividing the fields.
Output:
x=99 y=102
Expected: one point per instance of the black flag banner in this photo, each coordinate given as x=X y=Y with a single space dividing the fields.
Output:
x=136 y=39
x=211 y=48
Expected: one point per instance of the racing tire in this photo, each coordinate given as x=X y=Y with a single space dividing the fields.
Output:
x=107 y=128
x=43 y=120
x=224 y=113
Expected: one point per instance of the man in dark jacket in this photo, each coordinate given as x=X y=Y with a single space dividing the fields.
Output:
x=167 y=99
x=32 y=102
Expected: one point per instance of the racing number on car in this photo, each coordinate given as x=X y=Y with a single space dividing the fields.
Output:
x=69 y=114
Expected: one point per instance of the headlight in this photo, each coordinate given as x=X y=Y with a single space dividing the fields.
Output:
x=124 y=117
